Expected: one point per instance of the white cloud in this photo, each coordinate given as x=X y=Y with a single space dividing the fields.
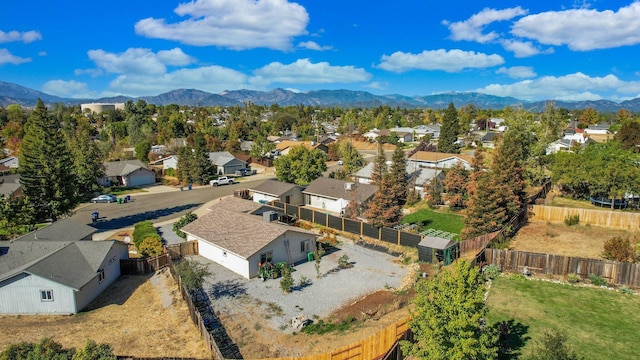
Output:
x=25 y=37
x=312 y=45
x=7 y=58
x=234 y=24
x=517 y=72
x=471 y=29
x=577 y=86
x=42 y=53
x=138 y=60
x=446 y=60
x=377 y=85
x=212 y=79
x=583 y=29
x=522 y=49
x=67 y=89
x=305 y=72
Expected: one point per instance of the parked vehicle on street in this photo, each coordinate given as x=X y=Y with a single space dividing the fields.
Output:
x=223 y=180
x=105 y=198
x=245 y=172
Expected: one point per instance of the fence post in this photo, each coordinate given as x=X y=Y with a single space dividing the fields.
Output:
x=380 y=233
x=361 y=229
x=398 y=237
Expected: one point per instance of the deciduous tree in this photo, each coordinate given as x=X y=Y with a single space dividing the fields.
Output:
x=301 y=165
x=447 y=316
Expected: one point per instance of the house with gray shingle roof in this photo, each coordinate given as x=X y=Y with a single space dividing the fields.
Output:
x=56 y=276
x=127 y=173
x=241 y=237
x=66 y=229
x=10 y=186
x=273 y=190
x=333 y=195
x=225 y=162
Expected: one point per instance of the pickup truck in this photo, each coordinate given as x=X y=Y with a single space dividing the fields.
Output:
x=223 y=180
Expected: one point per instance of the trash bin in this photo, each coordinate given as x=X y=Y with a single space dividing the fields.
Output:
x=94 y=216
x=119 y=200
x=127 y=198
x=181 y=188
x=310 y=256
x=189 y=187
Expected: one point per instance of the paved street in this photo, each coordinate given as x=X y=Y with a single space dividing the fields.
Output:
x=157 y=207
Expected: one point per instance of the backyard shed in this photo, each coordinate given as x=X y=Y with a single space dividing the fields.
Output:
x=435 y=249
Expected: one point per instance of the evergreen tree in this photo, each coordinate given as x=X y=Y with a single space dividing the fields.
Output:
x=449 y=131
x=142 y=151
x=201 y=169
x=507 y=171
x=398 y=175
x=87 y=159
x=485 y=209
x=379 y=166
x=46 y=166
x=446 y=318
x=383 y=209
x=186 y=159
x=455 y=186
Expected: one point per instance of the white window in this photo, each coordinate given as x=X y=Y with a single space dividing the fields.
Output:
x=100 y=275
x=305 y=246
x=266 y=257
x=46 y=295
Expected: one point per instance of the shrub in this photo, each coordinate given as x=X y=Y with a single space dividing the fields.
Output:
x=597 y=280
x=151 y=246
x=143 y=230
x=186 y=219
x=491 y=271
x=573 y=278
x=343 y=262
x=286 y=282
x=618 y=249
x=170 y=172
x=571 y=220
x=625 y=290
x=192 y=273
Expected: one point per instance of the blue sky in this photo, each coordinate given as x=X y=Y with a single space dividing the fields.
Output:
x=532 y=50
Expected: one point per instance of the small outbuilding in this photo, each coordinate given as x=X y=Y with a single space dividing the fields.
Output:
x=273 y=190
x=436 y=249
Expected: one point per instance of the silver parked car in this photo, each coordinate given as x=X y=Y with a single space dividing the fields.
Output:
x=104 y=198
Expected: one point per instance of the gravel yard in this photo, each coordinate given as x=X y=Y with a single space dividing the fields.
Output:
x=232 y=294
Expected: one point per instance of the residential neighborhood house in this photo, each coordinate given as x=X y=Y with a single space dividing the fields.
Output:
x=273 y=190
x=56 y=269
x=333 y=195
x=225 y=162
x=127 y=173
x=11 y=162
x=241 y=235
x=438 y=160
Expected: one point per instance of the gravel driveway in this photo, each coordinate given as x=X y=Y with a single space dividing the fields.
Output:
x=231 y=293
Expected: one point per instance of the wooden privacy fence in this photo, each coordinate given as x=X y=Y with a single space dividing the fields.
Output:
x=374 y=347
x=141 y=266
x=606 y=218
x=356 y=227
x=620 y=273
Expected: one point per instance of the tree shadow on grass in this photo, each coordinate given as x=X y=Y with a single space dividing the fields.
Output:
x=516 y=339
x=228 y=288
x=130 y=220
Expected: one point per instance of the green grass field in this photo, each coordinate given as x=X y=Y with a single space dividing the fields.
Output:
x=599 y=323
x=435 y=220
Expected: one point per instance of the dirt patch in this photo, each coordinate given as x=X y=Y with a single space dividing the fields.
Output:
x=138 y=316
x=559 y=239
x=372 y=313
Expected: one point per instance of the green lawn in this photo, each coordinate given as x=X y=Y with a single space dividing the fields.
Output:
x=599 y=323
x=435 y=220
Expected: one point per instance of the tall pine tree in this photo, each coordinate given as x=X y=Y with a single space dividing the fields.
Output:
x=87 y=159
x=449 y=131
x=46 y=166
x=398 y=174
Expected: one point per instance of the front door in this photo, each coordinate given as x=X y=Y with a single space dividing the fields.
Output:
x=287 y=199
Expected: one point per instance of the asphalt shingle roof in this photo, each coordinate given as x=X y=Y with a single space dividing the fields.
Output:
x=335 y=189
x=274 y=187
x=122 y=168
x=239 y=233
x=66 y=229
x=71 y=263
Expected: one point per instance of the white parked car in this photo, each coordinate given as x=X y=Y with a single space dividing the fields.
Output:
x=223 y=180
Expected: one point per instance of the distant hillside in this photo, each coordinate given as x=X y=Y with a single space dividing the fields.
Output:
x=16 y=94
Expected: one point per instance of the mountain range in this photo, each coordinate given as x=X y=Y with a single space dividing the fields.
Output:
x=11 y=93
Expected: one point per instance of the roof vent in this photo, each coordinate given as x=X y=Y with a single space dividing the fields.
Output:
x=349 y=186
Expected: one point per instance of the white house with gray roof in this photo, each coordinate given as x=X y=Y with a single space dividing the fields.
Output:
x=333 y=195
x=56 y=276
x=273 y=190
x=240 y=234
